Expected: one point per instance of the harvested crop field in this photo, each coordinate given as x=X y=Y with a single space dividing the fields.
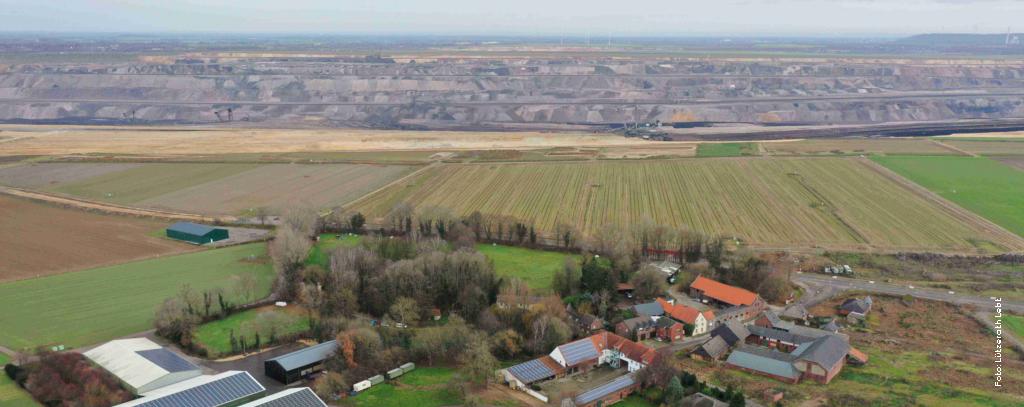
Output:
x=206 y=188
x=857 y=146
x=990 y=147
x=40 y=239
x=842 y=203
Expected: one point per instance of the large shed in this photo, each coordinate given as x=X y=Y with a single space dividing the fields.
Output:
x=294 y=366
x=142 y=365
x=228 y=389
x=196 y=233
x=298 y=397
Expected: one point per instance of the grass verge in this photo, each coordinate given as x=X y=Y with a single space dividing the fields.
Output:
x=215 y=336
x=726 y=149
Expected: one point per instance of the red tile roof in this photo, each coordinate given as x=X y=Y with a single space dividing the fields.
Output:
x=723 y=292
x=681 y=312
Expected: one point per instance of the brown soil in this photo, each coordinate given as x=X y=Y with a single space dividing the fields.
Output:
x=41 y=239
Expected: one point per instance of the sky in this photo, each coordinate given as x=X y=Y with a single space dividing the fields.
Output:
x=597 y=18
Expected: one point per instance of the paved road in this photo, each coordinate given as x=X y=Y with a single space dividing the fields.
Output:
x=845 y=284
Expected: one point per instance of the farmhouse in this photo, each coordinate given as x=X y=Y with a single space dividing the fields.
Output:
x=231 y=388
x=713 y=349
x=738 y=304
x=142 y=365
x=580 y=356
x=700 y=321
x=731 y=332
x=298 y=397
x=819 y=360
x=196 y=233
x=650 y=309
x=856 y=308
x=637 y=329
x=294 y=366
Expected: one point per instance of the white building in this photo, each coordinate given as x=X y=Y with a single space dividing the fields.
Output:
x=142 y=365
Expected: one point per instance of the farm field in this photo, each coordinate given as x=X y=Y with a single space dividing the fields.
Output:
x=207 y=188
x=983 y=185
x=59 y=140
x=1016 y=161
x=41 y=239
x=215 y=336
x=10 y=394
x=726 y=149
x=100 y=304
x=856 y=146
x=840 y=203
x=990 y=146
x=423 y=387
x=535 y=267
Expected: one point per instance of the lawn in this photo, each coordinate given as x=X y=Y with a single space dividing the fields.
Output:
x=1016 y=325
x=820 y=202
x=423 y=387
x=634 y=401
x=320 y=253
x=100 y=304
x=535 y=267
x=10 y=394
x=216 y=336
x=726 y=149
x=985 y=186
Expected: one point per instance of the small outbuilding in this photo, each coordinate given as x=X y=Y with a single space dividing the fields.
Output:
x=294 y=366
x=196 y=233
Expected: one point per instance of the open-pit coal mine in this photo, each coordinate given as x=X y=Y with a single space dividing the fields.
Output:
x=881 y=97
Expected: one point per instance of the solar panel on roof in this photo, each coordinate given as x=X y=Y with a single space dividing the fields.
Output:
x=167 y=360
x=531 y=371
x=301 y=398
x=603 y=390
x=579 y=351
x=213 y=394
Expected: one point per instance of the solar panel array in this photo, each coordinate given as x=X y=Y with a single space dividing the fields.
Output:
x=579 y=351
x=532 y=371
x=603 y=390
x=301 y=398
x=167 y=360
x=213 y=394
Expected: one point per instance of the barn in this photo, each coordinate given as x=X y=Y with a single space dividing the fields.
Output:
x=196 y=233
x=294 y=366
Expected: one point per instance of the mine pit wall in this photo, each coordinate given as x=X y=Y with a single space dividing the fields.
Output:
x=542 y=93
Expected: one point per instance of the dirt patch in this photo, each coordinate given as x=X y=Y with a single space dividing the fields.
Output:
x=40 y=239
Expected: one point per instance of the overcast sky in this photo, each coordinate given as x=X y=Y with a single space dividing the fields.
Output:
x=518 y=17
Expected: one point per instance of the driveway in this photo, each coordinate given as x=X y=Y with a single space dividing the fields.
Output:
x=254 y=365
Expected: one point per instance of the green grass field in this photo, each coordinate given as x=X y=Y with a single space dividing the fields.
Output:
x=10 y=394
x=216 y=336
x=320 y=253
x=726 y=149
x=96 y=305
x=634 y=401
x=985 y=186
x=820 y=202
x=1016 y=325
x=423 y=387
x=535 y=267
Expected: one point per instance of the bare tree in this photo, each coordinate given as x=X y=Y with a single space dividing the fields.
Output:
x=289 y=251
x=405 y=310
x=649 y=282
x=245 y=287
x=262 y=213
x=303 y=219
